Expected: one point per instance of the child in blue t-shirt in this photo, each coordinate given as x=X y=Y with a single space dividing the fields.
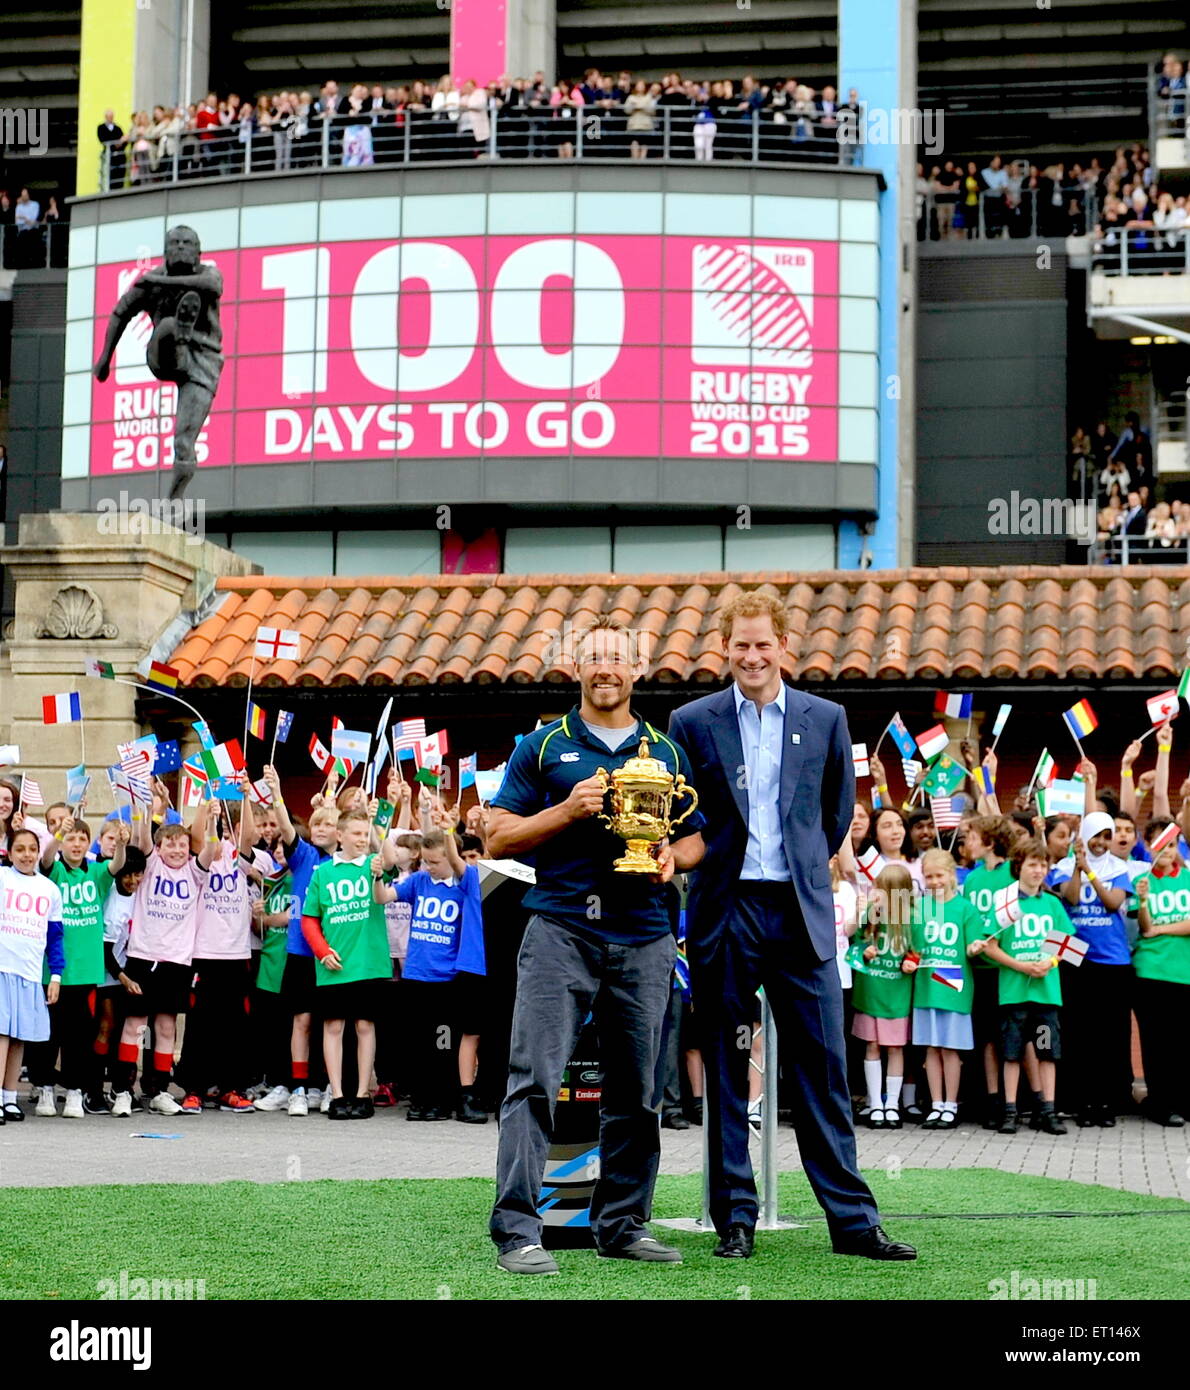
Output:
x=443 y=980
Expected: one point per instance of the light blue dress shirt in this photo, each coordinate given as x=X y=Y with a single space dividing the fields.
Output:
x=762 y=739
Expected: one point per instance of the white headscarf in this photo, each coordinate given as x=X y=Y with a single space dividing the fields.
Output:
x=1105 y=865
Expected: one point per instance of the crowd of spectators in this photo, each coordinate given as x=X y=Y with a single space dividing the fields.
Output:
x=608 y=116
x=962 y=201
x=27 y=229
x=1115 y=473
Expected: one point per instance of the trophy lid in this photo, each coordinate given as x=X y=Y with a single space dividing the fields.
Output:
x=643 y=768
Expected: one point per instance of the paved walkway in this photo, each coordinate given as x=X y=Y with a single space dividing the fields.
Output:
x=1136 y=1156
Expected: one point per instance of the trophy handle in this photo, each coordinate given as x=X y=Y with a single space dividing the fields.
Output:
x=683 y=788
x=601 y=773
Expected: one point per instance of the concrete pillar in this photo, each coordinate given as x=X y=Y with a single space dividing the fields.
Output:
x=134 y=55
x=85 y=587
x=489 y=38
x=878 y=57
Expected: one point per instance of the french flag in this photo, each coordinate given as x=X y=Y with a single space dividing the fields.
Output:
x=953 y=706
x=61 y=709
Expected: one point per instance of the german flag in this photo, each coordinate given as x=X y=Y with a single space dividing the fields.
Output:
x=163 y=678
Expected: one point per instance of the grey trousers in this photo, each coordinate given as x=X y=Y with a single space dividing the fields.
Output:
x=561 y=978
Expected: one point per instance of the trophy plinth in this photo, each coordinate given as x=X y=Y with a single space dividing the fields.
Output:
x=642 y=794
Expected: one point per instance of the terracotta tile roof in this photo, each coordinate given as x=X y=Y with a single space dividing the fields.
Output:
x=916 y=625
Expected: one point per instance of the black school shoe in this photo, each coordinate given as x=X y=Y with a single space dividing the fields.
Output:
x=362 y=1108
x=340 y=1108
x=12 y=1112
x=415 y=1112
x=97 y=1104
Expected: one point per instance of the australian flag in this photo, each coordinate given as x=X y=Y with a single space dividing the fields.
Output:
x=168 y=759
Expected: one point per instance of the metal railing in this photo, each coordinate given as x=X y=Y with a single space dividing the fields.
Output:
x=1139 y=550
x=34 y=248
x=1022 y=214
x=1167 y=113
x=411 y=137
x=1142 y=250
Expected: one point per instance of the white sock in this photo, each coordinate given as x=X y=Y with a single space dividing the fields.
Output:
x=872 y=1081
x=10 y=1097
x=909 y=1092
x=949 y=1105
x=894 y=1091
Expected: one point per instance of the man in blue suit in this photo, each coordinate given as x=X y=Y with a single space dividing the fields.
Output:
x=776 y=786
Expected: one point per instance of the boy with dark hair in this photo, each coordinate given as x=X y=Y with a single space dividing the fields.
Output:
x=1030 y=993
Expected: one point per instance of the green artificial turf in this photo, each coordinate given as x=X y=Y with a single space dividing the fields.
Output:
x=427 y=1239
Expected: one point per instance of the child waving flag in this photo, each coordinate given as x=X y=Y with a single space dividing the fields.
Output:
x=30 y=932
x=345 y=929
x=944 y=926
x=1030 y=992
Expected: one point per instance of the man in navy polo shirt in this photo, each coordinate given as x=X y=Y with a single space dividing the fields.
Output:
x=599 y=941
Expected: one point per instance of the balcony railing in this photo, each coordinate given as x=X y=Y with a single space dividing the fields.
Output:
x=1142 y=250
x=1018 y=215
x=34 y=248
x=587 y=134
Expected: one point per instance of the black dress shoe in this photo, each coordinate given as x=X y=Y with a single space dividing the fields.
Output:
x=674 y=1119
x=873 y=1244
x=694 y=1111
x=736 y=1244
x=339 y=1109
x=362 y=1108
x=415 y=1112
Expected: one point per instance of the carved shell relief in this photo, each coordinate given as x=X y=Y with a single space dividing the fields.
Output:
x=75 y=611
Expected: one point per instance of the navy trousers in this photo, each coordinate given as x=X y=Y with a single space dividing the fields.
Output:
x=765 y=942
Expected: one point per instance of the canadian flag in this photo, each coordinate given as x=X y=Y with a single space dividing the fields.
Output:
x=431 y=751
x=1162 y=707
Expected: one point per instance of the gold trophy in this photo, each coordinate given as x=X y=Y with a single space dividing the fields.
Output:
x=642 y=793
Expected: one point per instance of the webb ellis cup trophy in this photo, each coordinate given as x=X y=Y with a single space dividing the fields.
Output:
x=642 y=794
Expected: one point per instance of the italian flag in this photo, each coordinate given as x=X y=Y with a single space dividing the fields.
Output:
x=224 y=760
x=1184 y=685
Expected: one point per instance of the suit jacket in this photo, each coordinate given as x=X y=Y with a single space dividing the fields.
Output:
x=817 y=796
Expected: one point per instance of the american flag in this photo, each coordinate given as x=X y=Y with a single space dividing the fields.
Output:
x=31 y=793
x=408 y=732
x=947 y=811
x=136 y=765
x=912 y=770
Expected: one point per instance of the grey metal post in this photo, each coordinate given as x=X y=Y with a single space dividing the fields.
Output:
x=755 y=139
x=705 y=1219
x=666 y=150
x=326 y=141
x=248 y=152
x=177 y=154
x=768 y=1122
x=406 y=126
x=492 y=133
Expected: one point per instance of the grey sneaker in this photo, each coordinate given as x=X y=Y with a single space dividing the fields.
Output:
x=527 y=1259
x=644 y=1248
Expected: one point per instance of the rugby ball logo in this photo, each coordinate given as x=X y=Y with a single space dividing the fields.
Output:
x=753 y=305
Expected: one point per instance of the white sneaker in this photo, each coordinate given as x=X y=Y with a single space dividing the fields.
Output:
x=272 y=1100
x=313 y=1097
x=754 y=1114
x=260 y=1090
x=122 y=1103
x=164 y=1104
x=325 y=1104
x=73 y=1109
x=34 y=1095
x=298 y=1104
x=46 y=1104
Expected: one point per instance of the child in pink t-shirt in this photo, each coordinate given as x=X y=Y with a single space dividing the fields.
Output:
x=216 y=1047
x=160 y=952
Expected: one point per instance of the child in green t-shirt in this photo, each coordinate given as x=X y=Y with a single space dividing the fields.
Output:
x=1161 y=990
x=270 y=922
x=988 y=840
x=944 y=926
x=346 y=931
x=1030 y=992
x=883 y=990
